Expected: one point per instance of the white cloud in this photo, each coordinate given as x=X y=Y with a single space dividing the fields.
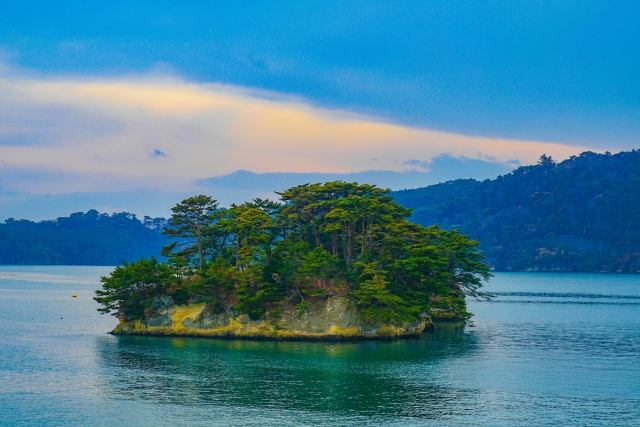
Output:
x=159 y=132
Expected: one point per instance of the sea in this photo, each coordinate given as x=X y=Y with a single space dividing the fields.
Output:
x=551 y=349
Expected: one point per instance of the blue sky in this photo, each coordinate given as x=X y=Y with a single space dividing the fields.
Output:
x=497 y=82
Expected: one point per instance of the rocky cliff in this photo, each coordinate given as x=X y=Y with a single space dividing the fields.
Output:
x=336 y=318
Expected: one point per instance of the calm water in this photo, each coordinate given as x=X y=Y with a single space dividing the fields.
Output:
x=552 y=349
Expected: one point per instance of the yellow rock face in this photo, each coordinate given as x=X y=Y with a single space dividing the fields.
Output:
x=183 y=311
x=336 y=319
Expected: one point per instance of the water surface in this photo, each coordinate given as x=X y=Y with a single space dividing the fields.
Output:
x=551 y=349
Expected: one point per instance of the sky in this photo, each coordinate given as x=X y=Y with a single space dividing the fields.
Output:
x=130 y=106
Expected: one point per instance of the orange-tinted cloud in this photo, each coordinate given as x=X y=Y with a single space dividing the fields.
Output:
x=118 y=127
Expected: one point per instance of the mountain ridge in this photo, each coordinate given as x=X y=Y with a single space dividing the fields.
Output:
x=581 y=214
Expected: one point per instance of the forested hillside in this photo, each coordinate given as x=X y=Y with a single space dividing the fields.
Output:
x=582 y=214
x=81 y=239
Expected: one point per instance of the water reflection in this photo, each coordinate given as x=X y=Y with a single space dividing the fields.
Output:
x=364 y=378
x=524 y=363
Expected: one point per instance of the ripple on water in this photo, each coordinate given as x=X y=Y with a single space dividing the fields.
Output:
x=526 y=362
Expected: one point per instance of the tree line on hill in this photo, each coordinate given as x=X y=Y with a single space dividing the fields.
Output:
x=88 y=238
x=582 y=214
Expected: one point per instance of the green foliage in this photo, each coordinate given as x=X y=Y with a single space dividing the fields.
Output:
x=577 y=215
x=188 y=222
x=324 y=239
x=301 y=308
x=131 y=286
x=375 y=300
x=89 y=238
x=318 y=269
x=251 y=300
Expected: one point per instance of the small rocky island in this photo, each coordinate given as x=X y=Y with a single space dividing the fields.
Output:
x=329 y=261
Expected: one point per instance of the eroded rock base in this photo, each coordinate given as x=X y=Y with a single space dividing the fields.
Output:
x=336 y=319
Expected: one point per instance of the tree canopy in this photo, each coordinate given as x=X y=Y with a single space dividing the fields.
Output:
x=336 y=238
x=189 y=220
x=577 y=215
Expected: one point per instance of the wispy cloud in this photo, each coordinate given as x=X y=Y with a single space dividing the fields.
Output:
x=121 y=127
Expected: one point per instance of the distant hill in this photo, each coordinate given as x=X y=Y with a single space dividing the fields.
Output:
x=582 y=214
x=81 y=239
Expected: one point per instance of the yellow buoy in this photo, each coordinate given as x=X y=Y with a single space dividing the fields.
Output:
x=74 y=295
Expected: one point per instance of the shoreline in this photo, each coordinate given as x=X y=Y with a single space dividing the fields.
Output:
x=337 y=319
x=447 y=324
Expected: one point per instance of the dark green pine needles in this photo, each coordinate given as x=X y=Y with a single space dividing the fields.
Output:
x=336 y=238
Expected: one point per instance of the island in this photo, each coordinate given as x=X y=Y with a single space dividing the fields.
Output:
x=328 y=261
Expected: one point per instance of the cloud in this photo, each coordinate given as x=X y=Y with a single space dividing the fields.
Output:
x=237 y=187
x=121 y=127
x=463 y=167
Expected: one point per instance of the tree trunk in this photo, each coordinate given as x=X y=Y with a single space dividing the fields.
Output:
x=363 y=236
x=267 y=250
x=351 y=238
x=315 y=232
x=344 y=244
x=335 y=242
x=200 y=255
x=238 y=250
x=298 y=291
